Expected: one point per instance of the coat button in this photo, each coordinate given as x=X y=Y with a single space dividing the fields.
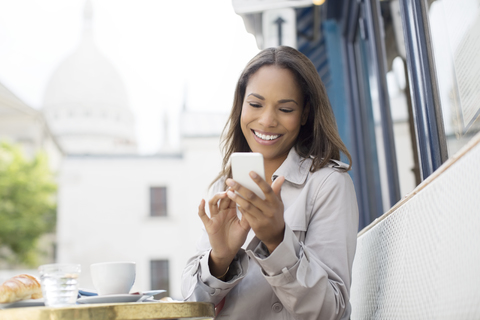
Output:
x=277 y=307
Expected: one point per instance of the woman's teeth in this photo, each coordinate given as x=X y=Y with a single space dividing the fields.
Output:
x=266 y=137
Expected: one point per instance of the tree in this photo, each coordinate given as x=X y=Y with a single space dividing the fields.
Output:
x=27 y=203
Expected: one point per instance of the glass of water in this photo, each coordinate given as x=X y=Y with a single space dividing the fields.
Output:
x=59 y=284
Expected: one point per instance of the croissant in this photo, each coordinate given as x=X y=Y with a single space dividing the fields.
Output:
x=20 y=287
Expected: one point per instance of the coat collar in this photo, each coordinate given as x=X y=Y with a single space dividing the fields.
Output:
x=295 y=169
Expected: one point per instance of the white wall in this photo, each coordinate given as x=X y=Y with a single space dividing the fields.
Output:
x=103 y=212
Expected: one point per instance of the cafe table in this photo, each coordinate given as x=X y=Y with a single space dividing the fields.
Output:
x=114 y=311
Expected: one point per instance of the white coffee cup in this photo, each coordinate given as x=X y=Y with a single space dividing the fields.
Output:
x=113 y=277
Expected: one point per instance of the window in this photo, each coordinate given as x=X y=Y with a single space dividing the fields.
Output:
x=455 y=31
x=158 y=201
x=159 y=279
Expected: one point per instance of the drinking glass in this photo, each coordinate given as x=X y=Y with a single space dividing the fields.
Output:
x=59 y=284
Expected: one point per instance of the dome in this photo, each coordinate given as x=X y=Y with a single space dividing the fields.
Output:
x=86 y=76
x=86 y=104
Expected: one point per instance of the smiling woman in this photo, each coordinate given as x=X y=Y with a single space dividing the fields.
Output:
x=293 y=249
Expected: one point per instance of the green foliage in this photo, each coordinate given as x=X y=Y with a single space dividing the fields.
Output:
x=27 y=203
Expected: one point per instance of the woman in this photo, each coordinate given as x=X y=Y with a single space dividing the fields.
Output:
x=290 y=255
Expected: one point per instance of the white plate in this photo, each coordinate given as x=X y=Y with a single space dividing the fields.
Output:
x=23 y=303
x=113 y=298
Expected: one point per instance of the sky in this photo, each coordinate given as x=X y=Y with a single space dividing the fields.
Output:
x=166 y=52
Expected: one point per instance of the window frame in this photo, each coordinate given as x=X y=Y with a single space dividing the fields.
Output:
x=152 y=204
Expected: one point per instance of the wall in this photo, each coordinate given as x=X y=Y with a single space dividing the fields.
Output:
x=420 y=260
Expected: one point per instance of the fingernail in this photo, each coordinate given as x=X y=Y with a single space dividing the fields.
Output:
x=230 y=194
x=253 y=175
x=230 y=183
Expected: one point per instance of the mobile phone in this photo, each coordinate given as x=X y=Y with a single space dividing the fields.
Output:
x=244 y=162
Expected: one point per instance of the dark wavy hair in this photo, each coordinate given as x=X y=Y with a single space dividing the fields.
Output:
x=318 y=138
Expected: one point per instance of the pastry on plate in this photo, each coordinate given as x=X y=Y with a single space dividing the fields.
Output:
x=20 y=287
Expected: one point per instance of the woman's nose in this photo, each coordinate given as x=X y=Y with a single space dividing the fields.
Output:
x=268 y=118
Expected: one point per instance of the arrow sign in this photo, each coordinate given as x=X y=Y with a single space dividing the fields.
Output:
x=279 y=23
x=279 y=28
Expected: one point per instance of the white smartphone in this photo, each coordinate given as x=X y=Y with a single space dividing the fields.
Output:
x=244 y=162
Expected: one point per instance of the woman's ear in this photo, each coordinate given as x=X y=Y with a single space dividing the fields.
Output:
x=306 y=111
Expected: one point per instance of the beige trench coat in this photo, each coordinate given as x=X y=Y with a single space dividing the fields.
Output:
x=308 y=276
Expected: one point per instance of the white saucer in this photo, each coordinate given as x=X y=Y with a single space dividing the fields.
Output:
x=23 y=303
x=113 y=298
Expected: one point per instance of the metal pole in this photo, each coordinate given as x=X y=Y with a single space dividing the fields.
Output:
x=431 y=142
x=377 y=48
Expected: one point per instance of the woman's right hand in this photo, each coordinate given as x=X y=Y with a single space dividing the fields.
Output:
x=225 y=231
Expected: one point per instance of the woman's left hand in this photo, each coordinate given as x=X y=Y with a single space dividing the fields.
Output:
x=265 y=217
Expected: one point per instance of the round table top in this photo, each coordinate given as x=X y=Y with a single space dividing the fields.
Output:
x=115 y=311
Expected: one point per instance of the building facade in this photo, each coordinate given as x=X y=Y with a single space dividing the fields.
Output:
x=113 y=203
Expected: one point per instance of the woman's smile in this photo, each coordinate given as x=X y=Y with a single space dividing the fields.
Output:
x=266 y=138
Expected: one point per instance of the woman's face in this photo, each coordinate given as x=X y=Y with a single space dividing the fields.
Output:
x=272 y=112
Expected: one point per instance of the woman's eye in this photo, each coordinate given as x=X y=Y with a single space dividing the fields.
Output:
x=286 y=110
x=255 y=105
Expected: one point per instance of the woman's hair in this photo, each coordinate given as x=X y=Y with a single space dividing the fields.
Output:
x=318 y=138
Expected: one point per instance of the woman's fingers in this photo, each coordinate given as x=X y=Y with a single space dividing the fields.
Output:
x=213 y=203
x=225 y=203
x=248 y=217
x=277 y=186
x=244 y=204
x=244 y=223
x=272 y=194
x=244 y=192
x=202 y=214
x=246 y=199
x=232 y=205
x=264 y=186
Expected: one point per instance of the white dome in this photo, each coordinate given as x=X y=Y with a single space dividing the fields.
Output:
x=86 y=76
x=86 y=103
